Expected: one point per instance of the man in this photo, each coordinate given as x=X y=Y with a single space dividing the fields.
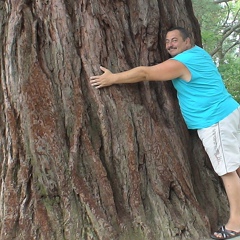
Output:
x=205 y=105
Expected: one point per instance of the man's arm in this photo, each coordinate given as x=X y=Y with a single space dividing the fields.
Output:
x=165 y=71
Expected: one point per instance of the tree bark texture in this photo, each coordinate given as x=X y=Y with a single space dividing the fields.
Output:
x=80 y=163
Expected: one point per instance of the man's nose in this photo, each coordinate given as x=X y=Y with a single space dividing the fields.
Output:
x=169 y=44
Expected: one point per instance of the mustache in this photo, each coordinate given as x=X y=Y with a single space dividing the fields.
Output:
x=170 y=48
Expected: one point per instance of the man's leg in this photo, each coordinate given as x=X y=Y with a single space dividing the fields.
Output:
x=232 y=186
x=238 y=172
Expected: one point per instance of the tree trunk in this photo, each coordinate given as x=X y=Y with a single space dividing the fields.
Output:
x=79 y=163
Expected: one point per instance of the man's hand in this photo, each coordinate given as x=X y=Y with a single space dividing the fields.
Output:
x=104 y=80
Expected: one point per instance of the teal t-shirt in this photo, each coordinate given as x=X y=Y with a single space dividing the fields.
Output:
x=203 y=100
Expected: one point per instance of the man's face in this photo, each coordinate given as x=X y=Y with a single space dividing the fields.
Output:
x=175 y=43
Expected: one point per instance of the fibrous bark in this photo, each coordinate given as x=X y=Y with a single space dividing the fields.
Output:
x=81 y=163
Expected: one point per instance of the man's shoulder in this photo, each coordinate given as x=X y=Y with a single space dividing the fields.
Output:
x=195 y=52
x=186 y=54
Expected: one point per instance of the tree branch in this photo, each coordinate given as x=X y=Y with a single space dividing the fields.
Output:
x=231 y=47
x=222 y=1
x=227 y=34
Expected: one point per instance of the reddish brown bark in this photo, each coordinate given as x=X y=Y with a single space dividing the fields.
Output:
x=79 y=163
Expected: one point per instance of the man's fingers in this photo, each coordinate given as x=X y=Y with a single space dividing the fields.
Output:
x=94 y=77
x=103 y=68
x=98 y=81
x=95 y=82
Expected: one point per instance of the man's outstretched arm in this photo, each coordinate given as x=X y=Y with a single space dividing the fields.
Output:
x=167 y=70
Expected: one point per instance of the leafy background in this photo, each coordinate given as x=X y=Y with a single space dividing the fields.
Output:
x=220 y=27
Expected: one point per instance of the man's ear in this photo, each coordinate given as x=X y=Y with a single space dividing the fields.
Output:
x=188 y=41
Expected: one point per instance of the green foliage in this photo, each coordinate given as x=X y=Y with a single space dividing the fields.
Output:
x=230 y=71
x=208 y=15
x=220 y=29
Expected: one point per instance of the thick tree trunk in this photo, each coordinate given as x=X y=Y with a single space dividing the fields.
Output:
x=79 y=163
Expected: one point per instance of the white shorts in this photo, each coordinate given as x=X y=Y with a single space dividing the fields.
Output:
x=222 y=143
